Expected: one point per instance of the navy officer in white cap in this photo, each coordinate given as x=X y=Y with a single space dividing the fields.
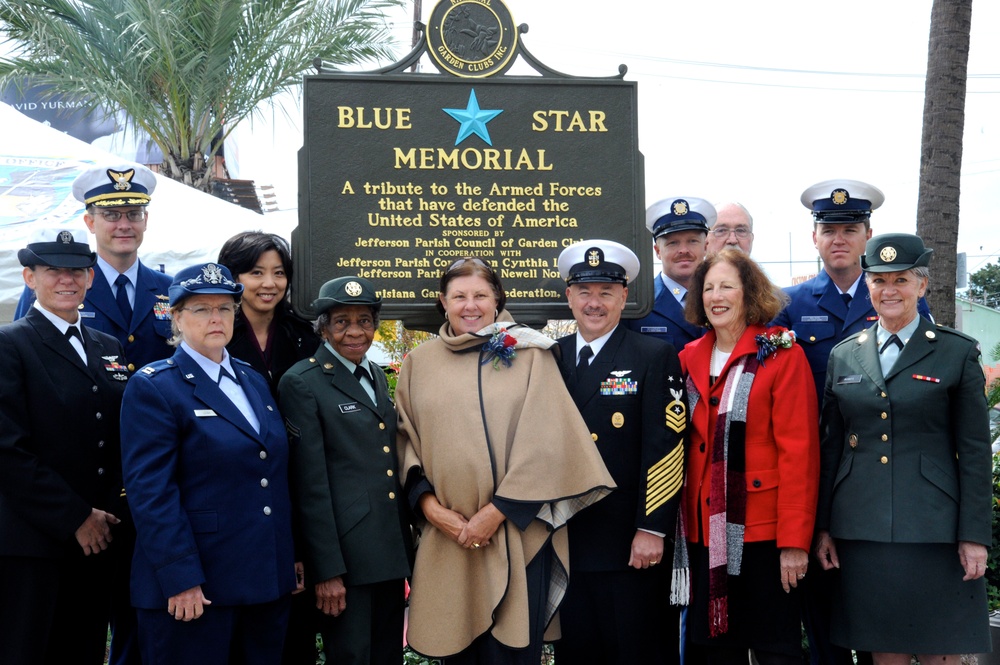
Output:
x=629 y=388
x=822 y=311
x=61 y=386
x=205 y=461
x=128 y=299
x=680 y=230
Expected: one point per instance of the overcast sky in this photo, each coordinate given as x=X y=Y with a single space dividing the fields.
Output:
x=755 y=102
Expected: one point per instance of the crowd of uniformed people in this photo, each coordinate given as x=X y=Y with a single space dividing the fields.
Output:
x=187 y=461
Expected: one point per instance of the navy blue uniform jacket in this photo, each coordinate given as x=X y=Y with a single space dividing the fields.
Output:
x=59 y=454
x=633 y=400
x=821 y=319
x=144 y=338
x=666 y=321
x=209 y=495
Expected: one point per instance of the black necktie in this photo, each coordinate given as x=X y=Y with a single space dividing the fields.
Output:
x=893 y=339
x=121 y=297
x=584 y=362
x=360 y=371
x=846 y=297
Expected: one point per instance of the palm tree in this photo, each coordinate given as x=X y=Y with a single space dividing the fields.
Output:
x=941 y=147
x=185 y=71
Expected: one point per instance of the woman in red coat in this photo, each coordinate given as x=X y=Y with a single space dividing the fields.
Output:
x=752 y=470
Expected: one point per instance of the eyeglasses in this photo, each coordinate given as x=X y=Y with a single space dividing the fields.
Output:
x=478 y=262
x=203 y=313
x=724 y=231
x=115 y=215
x=341 y=325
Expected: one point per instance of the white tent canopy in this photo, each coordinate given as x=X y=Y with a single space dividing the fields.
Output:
x=37 y=167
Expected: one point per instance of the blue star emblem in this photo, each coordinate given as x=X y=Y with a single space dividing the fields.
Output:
x=473 y=120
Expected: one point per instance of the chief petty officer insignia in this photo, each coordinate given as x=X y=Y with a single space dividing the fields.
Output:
x=676 y=412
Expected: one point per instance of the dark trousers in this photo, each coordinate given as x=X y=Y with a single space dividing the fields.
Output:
x=237 y=635
x=124 y=625
x=370 y=630
x=54 y=611
x=620 y=617
x=303 y=625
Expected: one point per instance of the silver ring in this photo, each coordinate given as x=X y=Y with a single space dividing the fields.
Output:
x=801 y=575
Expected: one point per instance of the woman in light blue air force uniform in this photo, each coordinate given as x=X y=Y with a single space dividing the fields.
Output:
x=205 y=460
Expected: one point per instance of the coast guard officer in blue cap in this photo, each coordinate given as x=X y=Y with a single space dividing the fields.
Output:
x=205 y=461
x=680 y=231
x=834 y=304
x=630 y=391
x=822 y=311
x=61 y=386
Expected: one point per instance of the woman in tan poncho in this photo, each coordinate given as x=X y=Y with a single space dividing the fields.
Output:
x=496 y=458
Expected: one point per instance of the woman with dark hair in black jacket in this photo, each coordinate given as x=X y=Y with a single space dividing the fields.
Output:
x=267 y=334
x=271 y=337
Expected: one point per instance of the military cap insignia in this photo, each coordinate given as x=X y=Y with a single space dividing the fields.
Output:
x=887 y=254
x=212 y=274
x=594 y=258
x=65 y=237
x=839 y=197
x=680 y=207
x=122 y=179
x=353 y=289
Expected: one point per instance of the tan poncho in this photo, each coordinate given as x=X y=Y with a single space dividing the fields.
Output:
x=543 y=452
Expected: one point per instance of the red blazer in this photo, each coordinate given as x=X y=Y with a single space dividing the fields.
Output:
x=782 y=444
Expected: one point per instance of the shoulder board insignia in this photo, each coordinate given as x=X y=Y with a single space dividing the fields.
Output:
x=148 y=370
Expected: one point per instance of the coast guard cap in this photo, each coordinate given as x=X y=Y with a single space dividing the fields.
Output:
x=58 y=248
x=842 y=201
x=204 y=279
x=598 y=261
x=348 y=290
x=893 y=252
x=118 y=184
x=679 y=214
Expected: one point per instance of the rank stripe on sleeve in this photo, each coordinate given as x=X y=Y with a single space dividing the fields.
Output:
x=665 y=478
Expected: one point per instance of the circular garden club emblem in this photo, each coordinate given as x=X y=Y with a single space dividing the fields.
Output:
x=471 y=38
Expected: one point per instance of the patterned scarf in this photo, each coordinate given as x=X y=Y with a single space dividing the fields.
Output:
x=728 y=494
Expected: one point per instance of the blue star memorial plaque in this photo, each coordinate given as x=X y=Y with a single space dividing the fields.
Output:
x=402 y=173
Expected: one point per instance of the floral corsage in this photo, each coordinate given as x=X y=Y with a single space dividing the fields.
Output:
x=771 y=340
x=500 y=349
